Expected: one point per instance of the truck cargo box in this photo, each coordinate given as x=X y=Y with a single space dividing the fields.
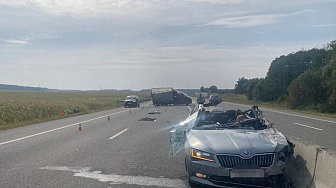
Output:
x=162 y=96
x=167 y=95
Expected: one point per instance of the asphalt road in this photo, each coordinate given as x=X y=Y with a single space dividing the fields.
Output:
x=122 y=152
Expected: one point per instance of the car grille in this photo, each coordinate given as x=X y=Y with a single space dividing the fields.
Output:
x=229 y=161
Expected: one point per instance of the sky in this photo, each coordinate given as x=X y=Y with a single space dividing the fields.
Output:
x=140 y=44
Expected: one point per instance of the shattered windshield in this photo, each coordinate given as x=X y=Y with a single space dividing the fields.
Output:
x=253 y=124
x=131 y=98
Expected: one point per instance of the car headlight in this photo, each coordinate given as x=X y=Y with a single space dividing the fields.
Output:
x=201 y=155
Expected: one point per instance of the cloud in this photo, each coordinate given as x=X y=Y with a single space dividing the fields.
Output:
x=177 y=66
x=326 y=25
x=38 y=36
x=219 y=1
x=247 y=21
x=253 y=20
x=28 y=39
x=115 y=42
x=19 y=42
x=83 y=8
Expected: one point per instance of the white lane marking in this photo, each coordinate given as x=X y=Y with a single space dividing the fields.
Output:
x=308 y=126
x=84 y=172
x=119 y=133
x=267 y=109
x=52 y=130
x=301 y=116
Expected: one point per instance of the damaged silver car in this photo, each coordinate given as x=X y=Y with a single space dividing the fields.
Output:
x=231 y=148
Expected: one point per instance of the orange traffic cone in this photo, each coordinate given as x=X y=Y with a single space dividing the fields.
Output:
x=108 y=118
x=80 y=127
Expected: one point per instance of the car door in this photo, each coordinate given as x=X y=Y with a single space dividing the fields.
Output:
x=178 y=134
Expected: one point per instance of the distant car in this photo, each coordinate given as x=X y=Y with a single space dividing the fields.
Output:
x=231 y=148
x=215 y=99
x=132 y=101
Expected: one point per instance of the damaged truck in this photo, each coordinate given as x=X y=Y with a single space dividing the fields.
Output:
x=166 y=96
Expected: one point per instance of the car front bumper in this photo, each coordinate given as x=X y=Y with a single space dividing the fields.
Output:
x=214 y=174
x=130 y=104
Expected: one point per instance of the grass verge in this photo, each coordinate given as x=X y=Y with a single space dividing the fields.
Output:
x=24 y=108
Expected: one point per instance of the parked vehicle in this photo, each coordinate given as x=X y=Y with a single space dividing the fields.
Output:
x=231 y=148
x=166 y=96
x=132 y=101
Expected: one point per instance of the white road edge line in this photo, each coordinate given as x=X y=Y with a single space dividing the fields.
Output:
x=309 y=126
x=119 y=133
x=267 y=109
x=301 y=116
x=52 y=130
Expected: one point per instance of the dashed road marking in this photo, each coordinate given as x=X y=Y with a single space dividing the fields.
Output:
x=308 y=126
x=318 y=119
x=52 y=130
x=290 y=114
x=84 y=172
x=119 y=133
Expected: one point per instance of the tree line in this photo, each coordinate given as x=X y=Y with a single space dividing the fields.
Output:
x=214 y=89
x=305 y=79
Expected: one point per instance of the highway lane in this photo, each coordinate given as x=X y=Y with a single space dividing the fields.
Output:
x=311 y=129
x=122 y=152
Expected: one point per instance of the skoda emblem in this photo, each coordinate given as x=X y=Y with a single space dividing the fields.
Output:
x=246 y=152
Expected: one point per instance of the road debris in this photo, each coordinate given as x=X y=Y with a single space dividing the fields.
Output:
x=156 y=112
x=147 y=119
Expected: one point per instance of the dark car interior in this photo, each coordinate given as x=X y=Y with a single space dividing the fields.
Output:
x=229 y=118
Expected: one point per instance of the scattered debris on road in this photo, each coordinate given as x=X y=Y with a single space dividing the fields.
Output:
x=156 y=112
x=147 y=119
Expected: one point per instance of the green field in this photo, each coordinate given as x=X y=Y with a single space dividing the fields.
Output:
x=23 y=108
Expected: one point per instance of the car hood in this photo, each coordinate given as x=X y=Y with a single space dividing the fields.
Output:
x=237 y=142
